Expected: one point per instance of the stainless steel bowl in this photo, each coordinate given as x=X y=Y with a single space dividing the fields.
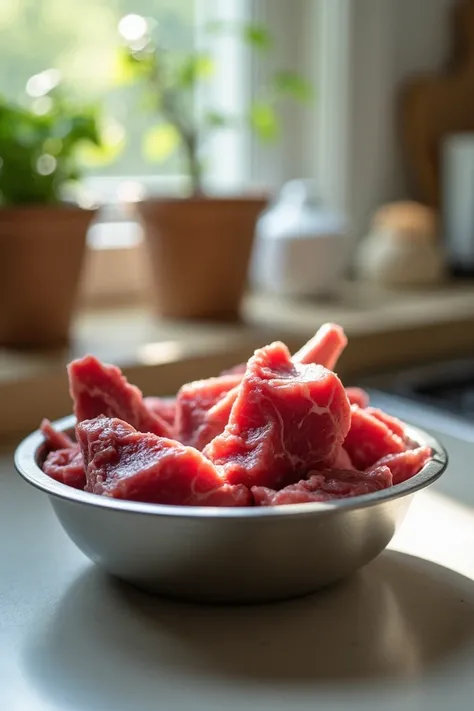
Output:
x=227 y=555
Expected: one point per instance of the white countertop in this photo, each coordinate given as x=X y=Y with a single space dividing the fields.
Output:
x=400 y=635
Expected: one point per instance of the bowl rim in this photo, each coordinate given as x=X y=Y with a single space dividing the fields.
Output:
x=27 y=455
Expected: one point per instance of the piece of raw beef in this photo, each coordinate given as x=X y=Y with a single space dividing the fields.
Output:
x=343 y=461
x=324 y=348
x=288 y=418
x=357 y=396
x=164 y=407
x=194 y=425
x=218 y=415
x=369 y=439
x=325 y=486
x=54 y=439
x=67 y=466
x=404 y=465
x=99 y=389
x=125 y=464
x=393 y=424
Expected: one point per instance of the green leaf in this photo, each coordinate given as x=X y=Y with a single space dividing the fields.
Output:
x=90 y=156
x=215 y=119
x=264 y=121
x=53 y=146
x=193 y=68
x=257 y=36
x=69 y=131
x=110 y=143
x=132 y=66
x=290 y=84
x=84 y=127
x=123 y=70
x=160 y=142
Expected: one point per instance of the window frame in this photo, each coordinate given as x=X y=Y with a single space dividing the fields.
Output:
x=339 y=48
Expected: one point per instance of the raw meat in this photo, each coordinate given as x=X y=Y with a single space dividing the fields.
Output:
x=357 y=396
x=278 y=430
x=369 y=439
x=54 y=440
x=99 y=389
x=288 y=418
x=66 y=466
x=218 y=415
x=164 y=407
x=405 y=464
x=194 y=425
x=325 y=486
x=394 y=425
x=292 y=494
x=126 y=464
x=343 y=461
x=324 y=348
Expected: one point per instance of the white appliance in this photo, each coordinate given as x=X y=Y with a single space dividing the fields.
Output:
x=458 y=202
x=302 y=247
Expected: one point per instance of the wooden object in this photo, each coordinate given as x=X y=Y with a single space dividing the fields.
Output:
x=435 y=105
x=199 y=250
x=41 y=257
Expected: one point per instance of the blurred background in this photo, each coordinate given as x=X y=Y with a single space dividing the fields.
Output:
x=187 y=179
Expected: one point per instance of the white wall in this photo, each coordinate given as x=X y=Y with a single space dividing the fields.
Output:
x=355 y=52
x=292 y=24
x=383 y=42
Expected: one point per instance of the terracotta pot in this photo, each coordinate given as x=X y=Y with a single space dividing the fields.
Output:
x=199 y=251
x=42 y=250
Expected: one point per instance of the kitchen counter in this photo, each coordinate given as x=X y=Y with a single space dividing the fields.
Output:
x=399 y=635
x=364 y=310
x=386 y=329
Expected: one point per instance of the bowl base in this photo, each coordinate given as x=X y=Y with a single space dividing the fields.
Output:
x=224 y=600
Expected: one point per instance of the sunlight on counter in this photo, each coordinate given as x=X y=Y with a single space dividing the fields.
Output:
x=433 y=528
x=157 y=353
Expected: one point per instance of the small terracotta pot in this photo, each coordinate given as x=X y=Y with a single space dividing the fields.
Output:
x=42 y=250
x=199 y=251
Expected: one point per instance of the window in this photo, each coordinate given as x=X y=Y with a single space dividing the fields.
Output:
x=354 y=52
x=81 y=38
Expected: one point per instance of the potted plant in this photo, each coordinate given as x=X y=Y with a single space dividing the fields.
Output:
x=42 y=234
x=199 y=245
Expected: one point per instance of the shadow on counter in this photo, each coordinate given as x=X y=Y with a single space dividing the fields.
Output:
x=398 y=620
